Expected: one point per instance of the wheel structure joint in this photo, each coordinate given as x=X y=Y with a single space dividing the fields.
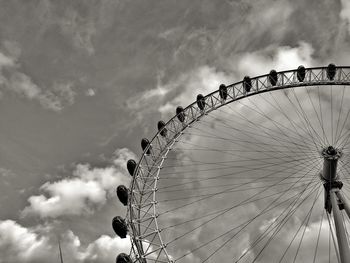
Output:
x=332 y=186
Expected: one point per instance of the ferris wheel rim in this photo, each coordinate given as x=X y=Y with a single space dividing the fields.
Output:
x=317 y=77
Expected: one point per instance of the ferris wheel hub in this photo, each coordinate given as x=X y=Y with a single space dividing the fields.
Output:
x=331 y=156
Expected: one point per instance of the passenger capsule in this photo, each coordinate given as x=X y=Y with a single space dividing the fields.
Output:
x=123 y=194
x=223 y=91
x=123 y=258
x=131 y=165
x=144 y=144
x=331 y=69
x=119 y=226
x=162 y=129
x=200 y=101
x=180 y=114
x=247 y=83
x=273 y=77
x=301 y=73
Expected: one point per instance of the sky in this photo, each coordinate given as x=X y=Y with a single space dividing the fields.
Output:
x=82 y=82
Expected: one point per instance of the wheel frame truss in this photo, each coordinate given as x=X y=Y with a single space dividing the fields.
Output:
x=147 y=243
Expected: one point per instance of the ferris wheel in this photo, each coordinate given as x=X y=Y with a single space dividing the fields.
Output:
x=257 y=171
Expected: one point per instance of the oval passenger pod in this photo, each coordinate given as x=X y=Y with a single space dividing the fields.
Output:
x=180 y=114
x=119 y=226
x=273 y=77
x=223 y=91
x=331 y=70
x=247 y=83
x=131 y=165
x=301 y=73
x=123 y=258
x=162 y=129
x=123 y=194
x=200 y=101
x=144 y=143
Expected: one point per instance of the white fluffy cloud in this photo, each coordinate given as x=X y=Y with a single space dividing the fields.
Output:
x=180 y=91
x=105 y=249
x=28 y=245
x=202 y=80
x=20 y=244
x=87 y=189
x=278 y=58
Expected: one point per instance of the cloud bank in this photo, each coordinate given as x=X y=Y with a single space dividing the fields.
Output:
x=37 y=245
x=86 y=190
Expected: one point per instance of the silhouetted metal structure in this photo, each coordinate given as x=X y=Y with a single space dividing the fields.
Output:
x=141 y=197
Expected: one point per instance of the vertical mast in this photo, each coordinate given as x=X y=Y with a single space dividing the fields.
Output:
x=59 y=247
x=332 y=201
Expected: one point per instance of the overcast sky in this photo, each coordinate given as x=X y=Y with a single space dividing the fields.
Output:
x=81 y=82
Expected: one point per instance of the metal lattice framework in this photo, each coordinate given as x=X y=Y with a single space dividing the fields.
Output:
x=146 y=236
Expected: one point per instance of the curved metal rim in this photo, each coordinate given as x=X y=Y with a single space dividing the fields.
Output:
x=315 y=76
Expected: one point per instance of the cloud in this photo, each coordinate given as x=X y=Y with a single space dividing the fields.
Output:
x=65 y=92
x=278 y=58
x=187 y=86
x=180 y=91
x=183 y=89
x=345 y=11
x=106 y=248
x=13 y=80
x=86 y=190
x=19 y=244
x=6 y=172
x=6 y=61
x=79 y=29
x=90 y=93
x=39 y=245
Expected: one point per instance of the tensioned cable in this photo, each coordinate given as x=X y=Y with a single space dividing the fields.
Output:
x=268 y=147
x=233 y=207
x=245 y=224
x=341 y=136
x=265 y=129
x=231 y=191
x=286 y=116
x=321 y=117
x=213 y=253
x=278 y=139
x=245 y=131
x=221 y=210
x=283 y=166
x=318 y=236
x=302 y=118
x=279 y=227
x=301 y=224
x=307 y=121
x=171 y=210
x=305 y=226
x=241 y=116
x=280 y=223
x=325 y=141
x=333 y=238
x=340 y=110
x=275 y=123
